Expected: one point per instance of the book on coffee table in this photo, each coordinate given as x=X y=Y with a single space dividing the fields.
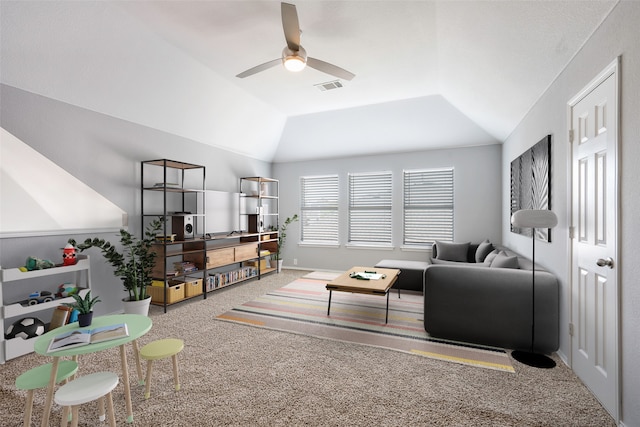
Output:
x=367 y=275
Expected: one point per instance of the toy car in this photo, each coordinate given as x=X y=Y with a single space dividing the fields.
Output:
x=40 y=297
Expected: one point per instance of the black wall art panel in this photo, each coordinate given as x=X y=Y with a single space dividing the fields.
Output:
x=531 y=184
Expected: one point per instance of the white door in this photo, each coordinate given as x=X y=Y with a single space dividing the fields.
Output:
x=594 y=284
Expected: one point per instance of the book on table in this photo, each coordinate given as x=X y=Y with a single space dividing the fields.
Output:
x=82 y=337
x=367 y=275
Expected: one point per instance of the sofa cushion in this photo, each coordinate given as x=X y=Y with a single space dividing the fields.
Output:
x=452 y=251
x=502 y=260
x=484 y=249
x=489 y=258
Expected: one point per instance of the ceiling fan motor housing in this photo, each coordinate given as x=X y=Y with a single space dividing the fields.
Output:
x=294 y=60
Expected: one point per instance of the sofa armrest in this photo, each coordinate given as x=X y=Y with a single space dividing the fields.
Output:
x=411 y=276
x=492 y=306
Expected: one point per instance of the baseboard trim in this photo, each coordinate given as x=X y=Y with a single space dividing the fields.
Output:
x=563 y=357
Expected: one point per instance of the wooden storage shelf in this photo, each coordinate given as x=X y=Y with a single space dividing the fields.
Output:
x=169 y=188
x=174 y=189
x=219 y=257
x=235 y=282
x=179 y=275
x=173 y=164
x=223 y=279
x=210 y=253
x=261 y=215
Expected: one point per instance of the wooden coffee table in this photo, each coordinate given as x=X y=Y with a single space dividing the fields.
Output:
x=381 y=286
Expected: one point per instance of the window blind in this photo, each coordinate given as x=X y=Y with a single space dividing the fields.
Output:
x=319 y=209
x=428 y=206
x=370 y=200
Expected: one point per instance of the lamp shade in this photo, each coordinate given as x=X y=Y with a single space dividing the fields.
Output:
x=534 y=218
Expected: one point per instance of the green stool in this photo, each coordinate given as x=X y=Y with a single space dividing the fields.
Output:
x=161 y=349
x=39 y=378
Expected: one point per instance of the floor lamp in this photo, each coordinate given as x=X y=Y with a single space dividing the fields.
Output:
x=533 y=218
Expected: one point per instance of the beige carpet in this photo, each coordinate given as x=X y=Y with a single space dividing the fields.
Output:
x=234 y=375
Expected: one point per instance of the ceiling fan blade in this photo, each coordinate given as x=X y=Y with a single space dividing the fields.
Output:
x=291 y=26
x=258 y=68
x=334 y=70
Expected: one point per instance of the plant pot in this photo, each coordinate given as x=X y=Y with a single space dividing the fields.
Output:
x=137 y=307
x=280 y=265
x=85 y=319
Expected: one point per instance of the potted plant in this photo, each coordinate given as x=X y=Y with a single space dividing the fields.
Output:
x=84 y=306
x=134 y=263
x=282 y=237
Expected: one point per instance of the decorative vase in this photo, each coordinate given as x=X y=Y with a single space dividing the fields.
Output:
x=85 y=319
x=137 y=307
x=280 y=265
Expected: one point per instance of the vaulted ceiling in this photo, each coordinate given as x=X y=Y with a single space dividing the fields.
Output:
x=429 y=74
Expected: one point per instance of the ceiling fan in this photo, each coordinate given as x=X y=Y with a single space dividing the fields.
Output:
x=294 y=57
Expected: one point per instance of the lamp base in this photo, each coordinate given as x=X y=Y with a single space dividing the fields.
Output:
x=533 y=359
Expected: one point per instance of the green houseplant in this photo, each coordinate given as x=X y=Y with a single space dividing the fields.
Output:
x=84 y=306
x=282 y=237
x=134 y=263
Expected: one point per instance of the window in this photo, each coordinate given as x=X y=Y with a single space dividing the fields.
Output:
x=319 y=209
x=370 y=196
x=428 y=206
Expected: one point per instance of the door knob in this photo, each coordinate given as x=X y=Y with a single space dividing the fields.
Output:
x=605 y=262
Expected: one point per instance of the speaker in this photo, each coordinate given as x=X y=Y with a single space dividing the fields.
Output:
x=182 y=226
x=255 y=224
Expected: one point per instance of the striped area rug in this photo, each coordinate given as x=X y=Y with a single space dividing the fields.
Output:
x=301 y=307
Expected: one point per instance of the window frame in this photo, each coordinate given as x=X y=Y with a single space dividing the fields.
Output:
x=315 y=209
x=366 y=218
x=438 y=201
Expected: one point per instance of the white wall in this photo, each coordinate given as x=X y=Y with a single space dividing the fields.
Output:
x=618 y=35
x=415 y=124
x=97 y=56
x=104 y=153
x=477 y=210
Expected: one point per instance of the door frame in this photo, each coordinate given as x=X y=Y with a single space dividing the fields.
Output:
x=612 y=69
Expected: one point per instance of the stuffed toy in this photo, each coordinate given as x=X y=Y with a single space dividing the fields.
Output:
x=34 y=263
x=69 y=255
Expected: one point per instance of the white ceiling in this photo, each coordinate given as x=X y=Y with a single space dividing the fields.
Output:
x=480 y=65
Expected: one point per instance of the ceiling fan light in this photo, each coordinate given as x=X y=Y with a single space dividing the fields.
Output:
x=294 y=60
x=294 y=63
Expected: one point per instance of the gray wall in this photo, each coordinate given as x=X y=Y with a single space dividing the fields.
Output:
x=618 y=35
x=477 y=204
x=104 y=153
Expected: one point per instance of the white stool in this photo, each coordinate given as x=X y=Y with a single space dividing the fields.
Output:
x=87 y=389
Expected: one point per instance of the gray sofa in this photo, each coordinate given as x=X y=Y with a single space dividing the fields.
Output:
x=485 y=299
x=411 y=276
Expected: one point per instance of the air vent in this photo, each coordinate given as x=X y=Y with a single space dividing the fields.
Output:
x=323 y=87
